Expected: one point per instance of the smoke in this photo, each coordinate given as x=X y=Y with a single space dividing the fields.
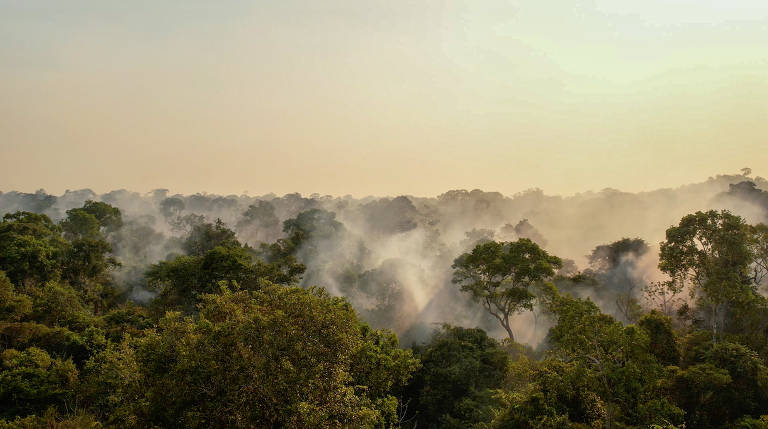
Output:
x=391 y=257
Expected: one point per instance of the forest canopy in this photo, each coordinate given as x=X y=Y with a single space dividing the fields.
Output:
x=470 y=310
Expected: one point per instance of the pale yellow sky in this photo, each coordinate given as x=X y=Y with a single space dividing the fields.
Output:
x=380 y=97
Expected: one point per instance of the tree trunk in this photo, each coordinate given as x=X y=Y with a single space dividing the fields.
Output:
x=505 y=323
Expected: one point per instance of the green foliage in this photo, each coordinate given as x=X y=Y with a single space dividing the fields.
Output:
x=13 y=306
x=30 y=247
x=109 y=218
x=551 y=394
x=280 y=263
x=215 y=255
x=181 y=281
x=662 y=342
x=87 y=261
x=719 y=383
x=381 y=369
x=60 y=342
x=129 y=319
x=89 y=221
x=311 y=226
x=614 y=365
x=279 y=357
x=752 y=423
x=455 y=386
x=58 y=304
x=248 y=351
x=80 y=224
x=205 y=237
x=178 y=281
x=110 y=383
x=31 y=381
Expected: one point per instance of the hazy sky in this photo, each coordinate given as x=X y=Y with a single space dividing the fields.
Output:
x=380 y=97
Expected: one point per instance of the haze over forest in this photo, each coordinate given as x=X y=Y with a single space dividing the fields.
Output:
x=391 y=257
x=470 y=309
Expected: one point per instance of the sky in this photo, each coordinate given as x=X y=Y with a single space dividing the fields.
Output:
x=389 y=97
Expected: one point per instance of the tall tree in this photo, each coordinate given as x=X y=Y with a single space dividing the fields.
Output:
x=709 y=252
x=87 y=262
x=759 y=246
x=499 y=275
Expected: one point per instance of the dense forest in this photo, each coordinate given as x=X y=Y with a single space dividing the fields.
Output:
x=469 y=310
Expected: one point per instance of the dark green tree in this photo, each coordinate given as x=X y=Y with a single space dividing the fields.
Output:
x=719 y=383
x=461 y=368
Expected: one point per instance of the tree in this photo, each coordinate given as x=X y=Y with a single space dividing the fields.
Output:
x=455 y=386
x=91 y=220
x=500 y=274
x=181 y=281
x=309 y=228
x=59 y=304
x=606 y=257
x=314 y=238
x=278 y=357
x=390 y=216
x=662 y=342
x=207 y=236
x=110 y=382
x=709 y=252
x=759 y=247
x=259 y=223
x=13 y=305
x=612 y=361
x=31 y=381
x=86 y=262
x=718 y=383
x=614 y=267
x=110 y=218
x=171 y=207
x=30 y=247
x=663 y=295
x=81 y=225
